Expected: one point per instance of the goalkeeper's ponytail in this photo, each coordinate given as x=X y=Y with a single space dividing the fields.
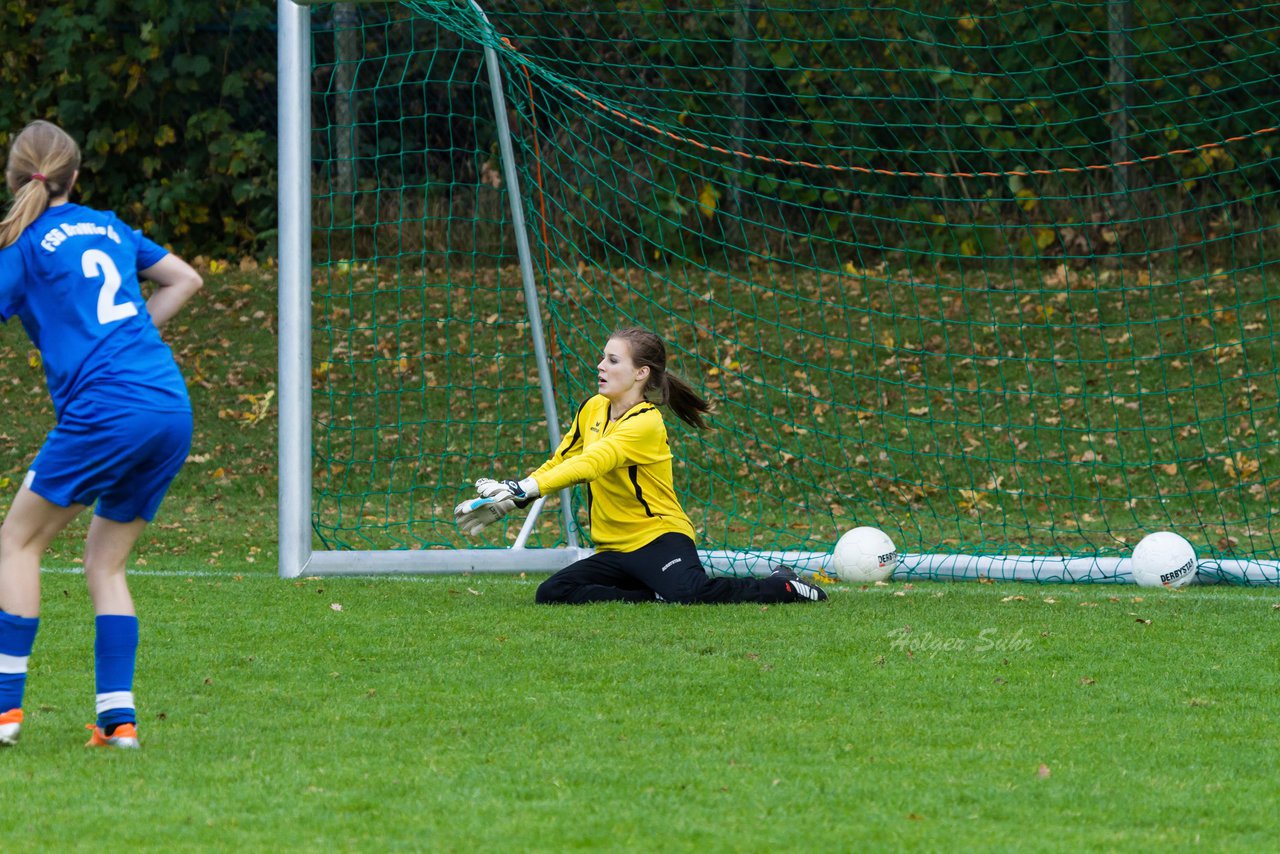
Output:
x=684 y=401
x=647 y=350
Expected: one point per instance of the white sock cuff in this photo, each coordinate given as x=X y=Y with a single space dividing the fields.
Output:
x=13 y=663
x=115 y=700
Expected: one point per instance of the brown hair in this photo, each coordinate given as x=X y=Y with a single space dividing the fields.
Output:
x=648 y=350
x=43 y=160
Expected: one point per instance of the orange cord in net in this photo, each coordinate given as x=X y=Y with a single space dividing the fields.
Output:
x=868 y=170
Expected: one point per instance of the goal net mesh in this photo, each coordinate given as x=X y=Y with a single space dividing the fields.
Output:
x=992 y=279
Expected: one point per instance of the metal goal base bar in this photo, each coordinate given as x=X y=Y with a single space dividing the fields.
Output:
x=1038 y=568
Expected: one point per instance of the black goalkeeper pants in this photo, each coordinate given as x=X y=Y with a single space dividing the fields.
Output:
x=666 y=570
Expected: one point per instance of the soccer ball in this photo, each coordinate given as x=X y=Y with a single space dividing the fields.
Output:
x=864 y=554
x=1163 y=558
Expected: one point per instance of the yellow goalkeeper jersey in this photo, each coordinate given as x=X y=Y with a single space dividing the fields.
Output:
x=626 y=465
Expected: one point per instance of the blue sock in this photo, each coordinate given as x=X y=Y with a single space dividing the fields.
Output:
x=115 y=648
x=17 y=637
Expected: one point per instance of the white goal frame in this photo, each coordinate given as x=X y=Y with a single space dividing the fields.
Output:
x=298 y=557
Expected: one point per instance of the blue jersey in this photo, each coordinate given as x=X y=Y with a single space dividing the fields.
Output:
x=72 y=278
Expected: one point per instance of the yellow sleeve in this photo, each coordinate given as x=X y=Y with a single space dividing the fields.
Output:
x=570 y=445
x=636 y=440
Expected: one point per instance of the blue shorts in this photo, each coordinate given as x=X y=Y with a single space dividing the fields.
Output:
x=124 y=459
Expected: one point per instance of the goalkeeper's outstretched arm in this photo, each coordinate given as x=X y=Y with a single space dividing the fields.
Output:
x=500 y=497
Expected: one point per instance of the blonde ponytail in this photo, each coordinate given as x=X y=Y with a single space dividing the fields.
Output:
x=42 y=165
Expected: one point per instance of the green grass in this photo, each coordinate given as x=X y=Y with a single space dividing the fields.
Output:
x=453 y=714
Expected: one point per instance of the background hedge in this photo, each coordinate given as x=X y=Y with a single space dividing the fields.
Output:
x=174 y=103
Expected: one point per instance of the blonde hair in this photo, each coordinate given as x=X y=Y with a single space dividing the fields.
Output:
x=42 y=165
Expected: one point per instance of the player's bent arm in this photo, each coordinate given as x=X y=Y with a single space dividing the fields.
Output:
x=176 y=282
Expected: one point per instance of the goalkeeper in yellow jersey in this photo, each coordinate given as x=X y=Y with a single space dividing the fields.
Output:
x=618 y=447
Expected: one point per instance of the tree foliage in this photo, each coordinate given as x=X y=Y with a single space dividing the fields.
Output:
x=173 y=104
x=167 y=102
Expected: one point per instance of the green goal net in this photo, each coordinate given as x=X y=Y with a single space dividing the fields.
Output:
x=997 y=279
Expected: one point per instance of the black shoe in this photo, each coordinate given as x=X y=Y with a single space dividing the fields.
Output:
x=781 y=570
x=802 y=590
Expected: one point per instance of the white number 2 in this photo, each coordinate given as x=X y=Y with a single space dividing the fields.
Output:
x=97 y=263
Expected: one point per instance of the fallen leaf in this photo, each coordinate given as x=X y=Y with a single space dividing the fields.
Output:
x=1043 y=771
x=1240 y=466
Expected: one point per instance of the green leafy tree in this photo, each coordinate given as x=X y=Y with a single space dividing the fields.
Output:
x=167 y=101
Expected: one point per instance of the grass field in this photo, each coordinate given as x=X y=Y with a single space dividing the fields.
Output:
x=452 y=714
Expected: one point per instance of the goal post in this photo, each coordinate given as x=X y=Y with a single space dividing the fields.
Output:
x=1015 y=312
x=297 y=556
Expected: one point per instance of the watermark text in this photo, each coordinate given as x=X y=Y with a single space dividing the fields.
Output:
x=989 y=640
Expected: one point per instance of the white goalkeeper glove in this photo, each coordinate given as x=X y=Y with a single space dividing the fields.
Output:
x=473 y=516
x=522 y=492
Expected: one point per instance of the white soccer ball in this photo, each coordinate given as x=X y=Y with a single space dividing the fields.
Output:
x=1163 y=559
x=864 y=554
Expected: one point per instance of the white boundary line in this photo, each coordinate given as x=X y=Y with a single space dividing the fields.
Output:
x=165 y=573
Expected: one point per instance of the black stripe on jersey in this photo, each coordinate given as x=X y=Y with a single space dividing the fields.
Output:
x=577 y=431
x=634 y=472
x=640 y=411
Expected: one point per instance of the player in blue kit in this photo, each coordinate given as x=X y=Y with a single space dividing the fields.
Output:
x=71 y=275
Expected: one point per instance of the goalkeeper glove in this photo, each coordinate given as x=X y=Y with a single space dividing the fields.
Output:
x=522 y=492
x=473 y=516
